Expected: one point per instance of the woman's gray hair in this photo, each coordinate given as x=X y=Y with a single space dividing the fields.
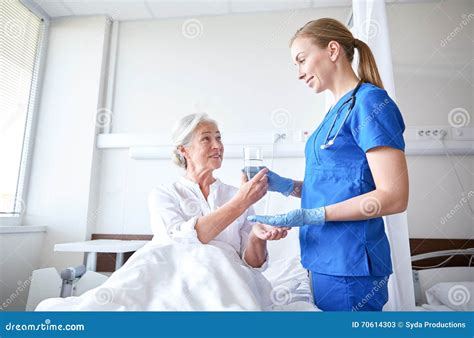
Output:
x=183 y=133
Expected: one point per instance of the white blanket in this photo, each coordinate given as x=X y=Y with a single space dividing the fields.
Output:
x=178 y=277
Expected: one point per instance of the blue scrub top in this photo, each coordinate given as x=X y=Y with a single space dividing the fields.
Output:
x=340 y=172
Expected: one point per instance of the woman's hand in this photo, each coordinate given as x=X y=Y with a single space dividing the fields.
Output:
x=253 y=190
x=256 y=250
x=269 y=233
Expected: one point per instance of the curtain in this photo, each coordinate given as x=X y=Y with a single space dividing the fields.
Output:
x=370 y=25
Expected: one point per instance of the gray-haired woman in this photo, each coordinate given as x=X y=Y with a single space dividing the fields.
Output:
x=199 y=208
x=176 y=272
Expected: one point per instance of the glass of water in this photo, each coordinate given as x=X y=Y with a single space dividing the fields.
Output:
x=253 y=161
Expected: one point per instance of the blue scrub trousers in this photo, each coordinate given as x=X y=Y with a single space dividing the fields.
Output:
x=349 y=293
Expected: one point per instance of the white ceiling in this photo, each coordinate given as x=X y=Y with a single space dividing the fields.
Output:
x=157 y=9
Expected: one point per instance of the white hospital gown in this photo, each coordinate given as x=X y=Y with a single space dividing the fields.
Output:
x=175 y=209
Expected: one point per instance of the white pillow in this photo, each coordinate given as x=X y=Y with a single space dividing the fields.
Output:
x=458 y=296
x=290 y=282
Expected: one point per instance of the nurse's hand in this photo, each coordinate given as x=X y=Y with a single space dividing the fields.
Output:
x=279 y=184
x=294 y=218
x=269 y=233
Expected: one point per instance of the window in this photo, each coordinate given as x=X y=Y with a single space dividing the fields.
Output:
x=21 y=34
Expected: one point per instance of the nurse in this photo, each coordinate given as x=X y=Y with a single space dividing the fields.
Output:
x=355 y=173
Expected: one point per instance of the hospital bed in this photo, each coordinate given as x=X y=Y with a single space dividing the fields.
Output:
x=290 y=281
x=444 y=279
x=442 y=272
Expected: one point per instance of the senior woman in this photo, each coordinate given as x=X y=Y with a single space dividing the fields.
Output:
x=175 y=272
x=199 y=208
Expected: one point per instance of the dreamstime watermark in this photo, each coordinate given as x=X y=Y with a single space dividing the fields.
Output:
x=459 y=295
x=378 y=285
x=22 y=286
x=377 y=109
x=192 y=28
x=465 y=20
x=370 y=28
x=191 y=207
x=103 y=117
x=115 y=14
x=459 y=117
x=458 y=206
x=281 y=295
x=104 y=296
x=46 y=326
x=370 y=206
x=281 y=117
x=14 y=29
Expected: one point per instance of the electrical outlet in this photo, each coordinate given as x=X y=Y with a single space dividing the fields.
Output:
x=279 y=137
x=431 y=133
x=302 y=135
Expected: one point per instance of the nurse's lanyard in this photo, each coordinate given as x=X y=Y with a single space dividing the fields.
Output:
x=327 y=143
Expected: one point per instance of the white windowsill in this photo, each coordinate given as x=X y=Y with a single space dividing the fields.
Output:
x=15 y=229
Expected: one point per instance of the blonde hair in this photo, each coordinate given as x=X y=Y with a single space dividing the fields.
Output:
x=183 y=132
x=325 y=30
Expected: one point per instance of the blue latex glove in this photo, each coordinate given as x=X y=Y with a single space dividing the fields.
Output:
x=294 y=218
x=279 y=184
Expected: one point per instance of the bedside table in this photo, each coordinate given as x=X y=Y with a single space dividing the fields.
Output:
x=91 y=248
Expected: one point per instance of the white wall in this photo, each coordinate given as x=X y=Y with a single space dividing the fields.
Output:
x=19 y=254
x=432 y=79
x=230 y=71
x=239 y=71
x=61 y=174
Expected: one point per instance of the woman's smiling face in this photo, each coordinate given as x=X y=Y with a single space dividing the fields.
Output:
x=313 y=63
x=206 y=151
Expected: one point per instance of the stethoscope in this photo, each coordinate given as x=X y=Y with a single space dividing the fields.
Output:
x=329 y=142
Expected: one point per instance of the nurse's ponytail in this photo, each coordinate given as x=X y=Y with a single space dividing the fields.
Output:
x=367 y=70
x=325 y=30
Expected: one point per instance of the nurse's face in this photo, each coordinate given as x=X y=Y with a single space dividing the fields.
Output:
x=206 y=151
x=314 y=64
